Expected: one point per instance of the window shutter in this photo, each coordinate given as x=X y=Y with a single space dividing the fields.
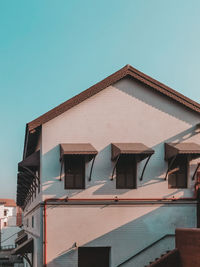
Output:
x=181 y=180
x=74 y=172
x=126 y=173
x=172 y=180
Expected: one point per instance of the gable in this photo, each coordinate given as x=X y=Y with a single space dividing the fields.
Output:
x=33 y=127
x=126 y=110
x=125 y=71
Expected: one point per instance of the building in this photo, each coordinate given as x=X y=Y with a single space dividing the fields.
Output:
x=10 y=218
x=9 y=213
x=186 y=252
x=108 y=175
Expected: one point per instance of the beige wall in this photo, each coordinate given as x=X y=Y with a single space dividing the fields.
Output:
x=126 y=229
x=35 y=232
x=124 y=112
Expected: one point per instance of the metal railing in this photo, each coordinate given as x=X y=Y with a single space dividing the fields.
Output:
x=144 y=249
x=20 y=233
x=7 y=247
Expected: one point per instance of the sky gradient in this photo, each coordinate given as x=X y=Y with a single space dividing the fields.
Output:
x=52 y=50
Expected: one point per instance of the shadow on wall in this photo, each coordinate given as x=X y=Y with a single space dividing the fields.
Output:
x=101 y=179
x=157 y=170
x=128 y=239
x=155 y=99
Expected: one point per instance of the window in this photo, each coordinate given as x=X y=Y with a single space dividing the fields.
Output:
x=5 y=224
x=5 y=212
x=32 y=221
x=126 y=172
x=74 y=172
x=93 y=256
x=177 y=177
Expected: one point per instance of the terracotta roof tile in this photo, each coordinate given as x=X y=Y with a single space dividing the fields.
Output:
x=8 y=202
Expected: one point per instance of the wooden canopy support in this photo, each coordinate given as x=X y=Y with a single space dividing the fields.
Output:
x=145 y=167
x=115 y=165
x=90 y=176
x=198 y=165
x=169 y=167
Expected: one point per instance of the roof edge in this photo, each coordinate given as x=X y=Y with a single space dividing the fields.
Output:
x=127 y=70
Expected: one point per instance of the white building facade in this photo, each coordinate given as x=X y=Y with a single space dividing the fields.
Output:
x=8 y=219
x=108 y=175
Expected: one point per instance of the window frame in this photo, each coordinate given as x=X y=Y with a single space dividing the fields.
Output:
x=32 y=222
x=176 y=164
x=133 y=162
x=82 y=167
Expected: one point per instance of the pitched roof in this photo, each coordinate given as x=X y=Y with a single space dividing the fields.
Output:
x=125 y=71
x=7 y=202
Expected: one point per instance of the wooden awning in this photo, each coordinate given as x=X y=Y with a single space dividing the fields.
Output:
x=32 y=161
x=25 y=247
x=175 y=149
x=77 y=149
x=138 y=149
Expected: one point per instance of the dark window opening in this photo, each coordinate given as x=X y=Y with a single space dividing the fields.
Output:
x=32 y=221
x=126 y=172
x=5 y=212
x=178 y=173
x=5 y=224
x=94 y=257
x=74 y=172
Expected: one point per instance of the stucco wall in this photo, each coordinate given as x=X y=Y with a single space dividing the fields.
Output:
x=35 y=232
x=124 y=112
x=126 y=229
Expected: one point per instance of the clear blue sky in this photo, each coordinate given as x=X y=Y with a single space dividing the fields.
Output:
x=51 y=50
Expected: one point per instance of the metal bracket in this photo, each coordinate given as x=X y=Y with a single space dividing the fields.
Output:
x=145 y=167
x=90 y=176
x=193 y=177
x=172 y=161
x=114 y=167
x=25 y=256
x=61 y=163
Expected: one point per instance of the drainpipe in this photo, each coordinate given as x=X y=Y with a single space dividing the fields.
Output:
x=45 y=235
